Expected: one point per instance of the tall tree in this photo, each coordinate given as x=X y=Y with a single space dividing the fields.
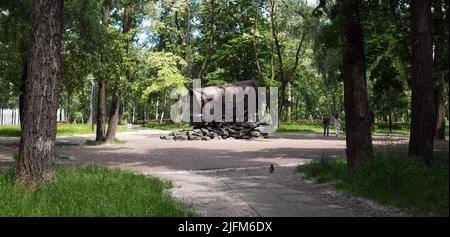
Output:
x=422 y=82
x=285 y=74
x=440 y=24
x=36 y=151
x=115 y=104
x=101 y=99
x=358 y=114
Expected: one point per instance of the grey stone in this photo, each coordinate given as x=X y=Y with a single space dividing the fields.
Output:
x=181 y=137
x=255 y=134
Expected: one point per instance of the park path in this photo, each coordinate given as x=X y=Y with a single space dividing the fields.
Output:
x=227 y=177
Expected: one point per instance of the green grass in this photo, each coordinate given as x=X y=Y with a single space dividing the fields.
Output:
x=90 y=191
x=62 y=130
x=302 y=127
x=9 y=131
x=15 y=157
x=95 y=143
x=167 y=126
x=324 y=170
x=379 y=128
x=397 y=128
x=390 y=179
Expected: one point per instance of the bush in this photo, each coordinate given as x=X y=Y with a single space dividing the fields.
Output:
x=390 y=179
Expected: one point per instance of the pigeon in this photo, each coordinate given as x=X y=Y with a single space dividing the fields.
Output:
x=272 y=168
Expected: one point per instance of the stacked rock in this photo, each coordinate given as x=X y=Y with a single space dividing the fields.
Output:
x=219 y=131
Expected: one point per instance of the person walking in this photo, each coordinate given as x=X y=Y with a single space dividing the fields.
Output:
x=337 y=124
x=326 y=125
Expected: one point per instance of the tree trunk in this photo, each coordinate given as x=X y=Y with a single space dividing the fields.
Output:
x=101 y=108
x=289 y=119
x=40 y=102
x=91 y=104
x=422 y=102
x=115 y=105
x=439 y=45
x=211 y=23
x=187 y=69
x=277 y=47
x=439 y=112
x=156 y=109
x=132 y=116
x=113 y=118
x=22 y=89
x=358 y=113
x=255 y=48
x=390 y=111
x=161 y=119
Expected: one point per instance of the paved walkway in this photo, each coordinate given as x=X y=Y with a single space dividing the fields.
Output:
x=237 y=193
x=228 y=177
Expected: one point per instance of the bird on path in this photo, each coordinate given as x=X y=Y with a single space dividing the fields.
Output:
x=272 y=168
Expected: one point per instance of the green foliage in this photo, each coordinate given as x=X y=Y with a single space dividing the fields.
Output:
x=163 y=73
x=390 y=179
x=90 y=191
x=168 y=126
x=74 y=129
x=62 y=130
x=226 y=45
x=9 y=131
x=171 y=42
x=83 y=39
x=14 y=44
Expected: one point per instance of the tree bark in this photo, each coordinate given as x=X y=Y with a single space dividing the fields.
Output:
x=115 y=104
x=101 y=108
x=422 y=102
x=113 y=118
x=358 y=114
x=187 y=69
x=40 y=102
x=91 y=104
x=439 y=112
x=277 y=47
x=439 y=55
x=23 y=89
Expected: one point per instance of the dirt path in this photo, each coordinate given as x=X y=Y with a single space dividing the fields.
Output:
x=228 y=177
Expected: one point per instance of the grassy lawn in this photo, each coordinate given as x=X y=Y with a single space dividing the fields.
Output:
x=379 y=128
x=74 y=129
x=302 y=127
x=166 y=126
x=390 y=179
x=62 y=130
x=90 y=191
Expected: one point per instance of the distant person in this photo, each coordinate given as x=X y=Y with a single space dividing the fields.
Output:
x=326 y=125
x=337 y=124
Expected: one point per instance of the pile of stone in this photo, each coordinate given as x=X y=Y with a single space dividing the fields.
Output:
x=219 y=131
